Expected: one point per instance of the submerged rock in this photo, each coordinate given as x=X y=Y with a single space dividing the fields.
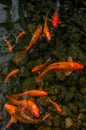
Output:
x=14 y=11
x=68 y=122
x=28 y=83
x=20 y=58
x=3 y=13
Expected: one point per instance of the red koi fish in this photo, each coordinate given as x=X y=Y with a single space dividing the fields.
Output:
x=26 y=104
x=20 y=35
x=39 y=67
x=67 y=67
x=31 y=93
x=57 y=107
x=8 y=44
x=46 y=31
x=34 y=39
x=17 y=115
x=13 y=72
x=55 y=18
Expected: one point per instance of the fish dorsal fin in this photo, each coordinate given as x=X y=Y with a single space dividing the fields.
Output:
x=70 y=59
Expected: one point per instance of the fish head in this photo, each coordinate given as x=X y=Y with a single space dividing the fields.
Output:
x=78 y=66
x=55 y=22
x=10 y=108
x=36 y=112
x=34 y=69
x=10 y=48
x=48 y=36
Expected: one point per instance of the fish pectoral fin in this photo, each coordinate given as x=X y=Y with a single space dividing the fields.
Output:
x=60 y=75
x=68 y=72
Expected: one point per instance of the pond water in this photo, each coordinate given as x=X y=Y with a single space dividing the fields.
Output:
x=67 y=39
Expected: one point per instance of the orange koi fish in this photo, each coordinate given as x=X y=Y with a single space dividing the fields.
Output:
x=39 y=67
x=13 y=72
x=26 y=104
x=46 y=31
x=8 y=44
x=55 y=18
x=31 y=93
x=20 y=35
x=57 y=107
x=34 y=39
x=17 y=115
x=66 y=66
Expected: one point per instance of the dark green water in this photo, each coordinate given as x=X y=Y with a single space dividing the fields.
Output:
x=68 y=39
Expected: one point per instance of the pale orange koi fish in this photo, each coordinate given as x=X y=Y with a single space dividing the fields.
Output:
x=39 y=67
x=46 y=31
x=20 y=35
x=8 y=44
x=66 y=66
x=57 y=107
x=34 y=38
x=17 y=115
x=26 y=104
x=31 y=93
x=13 y=72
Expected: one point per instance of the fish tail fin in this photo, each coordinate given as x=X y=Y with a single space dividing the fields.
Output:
x=46 y=17
x=12 y=100
x=41 y=75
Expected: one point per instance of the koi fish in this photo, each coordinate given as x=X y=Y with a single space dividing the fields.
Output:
x=55 y=16
x=57 y=107
x=17 y=115
x=13 y=72
x=67 y=67
x=55 y=19
x=39 y=67
x=46 y=31
x=8 y=44
x=31 y=93
x=34 y=38
x=20 y=35
x=26 y=104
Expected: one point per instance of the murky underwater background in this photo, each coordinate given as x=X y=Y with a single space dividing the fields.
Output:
x=68 y=39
